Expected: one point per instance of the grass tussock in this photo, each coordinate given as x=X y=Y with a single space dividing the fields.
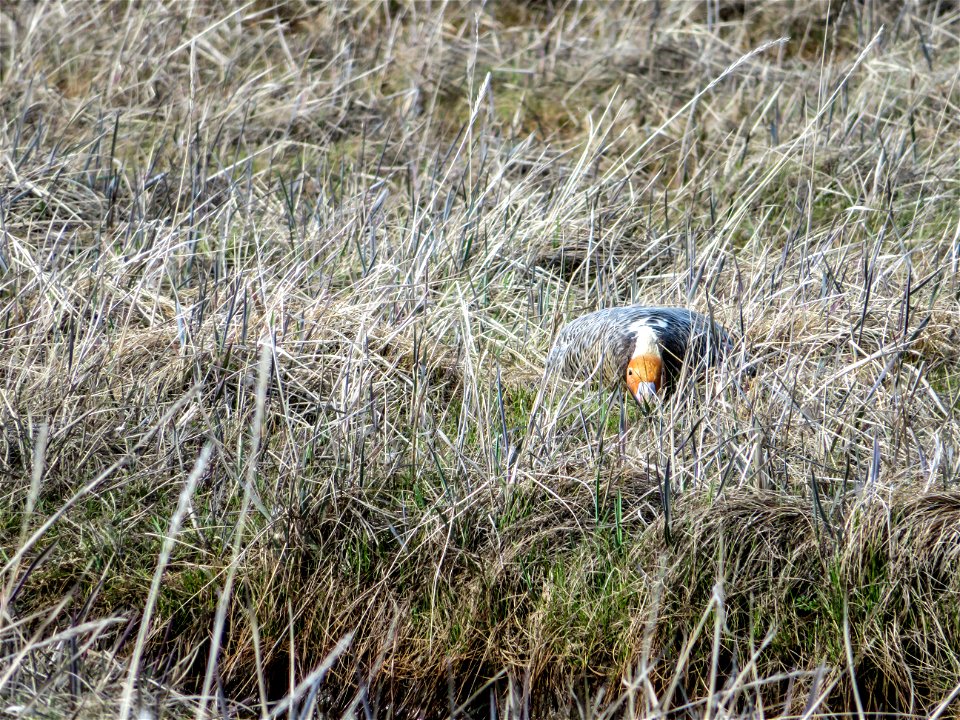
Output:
x=276 y=287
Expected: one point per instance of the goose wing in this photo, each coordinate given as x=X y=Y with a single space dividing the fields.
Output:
x=597 y=344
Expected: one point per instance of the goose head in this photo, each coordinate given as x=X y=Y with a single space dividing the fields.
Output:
x=644 y=372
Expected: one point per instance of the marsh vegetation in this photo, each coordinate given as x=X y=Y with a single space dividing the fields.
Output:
x=277 y=283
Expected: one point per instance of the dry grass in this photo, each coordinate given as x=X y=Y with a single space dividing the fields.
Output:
x=276 y=287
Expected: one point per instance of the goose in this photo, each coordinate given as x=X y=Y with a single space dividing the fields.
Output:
x=645 y=347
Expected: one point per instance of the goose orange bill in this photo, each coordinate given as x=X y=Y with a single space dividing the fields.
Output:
x=644 y=376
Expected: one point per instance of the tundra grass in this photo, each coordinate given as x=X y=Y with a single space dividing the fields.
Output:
x=277 y=282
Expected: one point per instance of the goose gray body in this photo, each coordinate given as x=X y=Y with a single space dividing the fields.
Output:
x=602 y=343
